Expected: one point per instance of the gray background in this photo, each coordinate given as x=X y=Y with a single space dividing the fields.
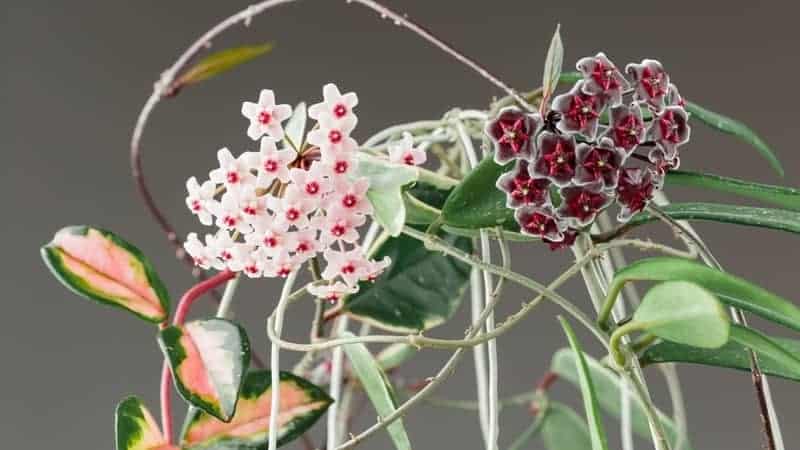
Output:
x=76 y=73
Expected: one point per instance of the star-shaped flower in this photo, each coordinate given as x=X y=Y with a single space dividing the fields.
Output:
x=523 y=189
x=598 y=165
x=650 y=82
x=233 y=172
x=199 y=199
x=580 y=112
x=272 y=164
x=634 y=191
x=513 y=133
x=265 y=116
x=671 y=129
x=404 y=151
x=540 y=221
x=335 y=106
x=580 y=206
x=627 y=129
x=602 y=78
x=556 y=160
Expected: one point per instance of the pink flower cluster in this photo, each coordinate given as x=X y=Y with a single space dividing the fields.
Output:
x=290 y=201
x=573 y=163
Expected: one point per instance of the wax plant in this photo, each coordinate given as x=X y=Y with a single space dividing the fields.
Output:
x=394 y=231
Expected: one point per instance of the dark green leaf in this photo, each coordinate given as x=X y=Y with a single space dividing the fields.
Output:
x=476 y=202
x=730 y=289
x=776 y=219
x=784 y=197
x=731 y=355
x=764 y=345
x=420 y=290
x=607 y=387
x=136 y=429
x=591 y=405
x=563 y=429
x=219 y=62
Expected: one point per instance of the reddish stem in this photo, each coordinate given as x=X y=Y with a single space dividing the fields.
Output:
x=184 y=305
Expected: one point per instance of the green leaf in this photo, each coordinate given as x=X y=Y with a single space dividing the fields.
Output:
x=476 y=202
x=591 y=406
x=136 y=429
x=732 y=355
x=385 y=190
x=607 y=388
x=684 y=312
x=296 y=127
x=552 y=64
x=393 y=356
x=764 y=345
x=419 y=290
x=776 y=219
x=563 y=429
x=101 y=266
x=302 y=404
x=208 y=359
x=378 y=389
x=730 y=289
x=784 y=197
x=737 y=129
x=219 y=62
x=423 y=203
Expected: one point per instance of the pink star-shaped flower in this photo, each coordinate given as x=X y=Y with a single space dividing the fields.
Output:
x=265 y=116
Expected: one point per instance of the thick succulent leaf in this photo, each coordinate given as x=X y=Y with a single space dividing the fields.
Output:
x=563 y=429
x=684 y=312
x=208 y=359
x=730 y=289
x=552 y=64
x=420 y=290
x=220 y=62
x=423 y=202
x=385 y=189
x=738 y=129
x=136 y=429
x=302 y=404
x=476 y=202
x=296 y=127
x=732 y=355
x=785 y=197
x=103 y=267
x=764 y=345
x=776 y=219
x=378 y=389
x=607 y=387
x=597 y=433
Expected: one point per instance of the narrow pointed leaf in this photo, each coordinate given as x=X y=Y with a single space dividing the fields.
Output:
x=302 y=404
x=208 y=359
x=220 y=62
x=563 y=429
x=378 y=389
x=591 y=406
x=785 y=197
x=684 y=312
x=101 y=266
x=552 y=64
x=607 y=387
x=730 y=289
x=296 y=127
x=732 y=355
x=738 y=129
x=136 y=429
x=421 y=289
x=764 y=345
x=775 y=219
x=385 y=190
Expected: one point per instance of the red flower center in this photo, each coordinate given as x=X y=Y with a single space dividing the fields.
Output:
x=270 y=165
x=338 y=230
x=670 y=128
x=335 y=136
x=312 y=187
x=560 y=161
x=348 y=268
x=341 y=167
x=585 y=204
x=303 y=247
x=271 y=241
x=339 y=110
x=264 y=117
x=292 y=214
x=603 y=75
x=582 y=110
x=249 y=210
x=349 y=200
x=196 y=205
x=230 y=221
x=627 y=132
x=513 y=134
x=232 y=177
x=653 y=83
x=409 y=159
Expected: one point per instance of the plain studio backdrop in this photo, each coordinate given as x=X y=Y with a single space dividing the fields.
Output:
x=76 y=73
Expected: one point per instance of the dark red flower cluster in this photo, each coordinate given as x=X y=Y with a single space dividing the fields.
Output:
x=576 y=161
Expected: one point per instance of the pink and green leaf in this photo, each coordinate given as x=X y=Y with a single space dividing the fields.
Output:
x=208 y=359
x=302 y=404
x=136 y=429
x=103 y=267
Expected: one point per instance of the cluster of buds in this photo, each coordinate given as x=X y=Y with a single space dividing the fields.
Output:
x=290 y=201
x=573 y=163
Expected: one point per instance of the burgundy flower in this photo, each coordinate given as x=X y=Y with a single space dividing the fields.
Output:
x=601 y=77
x=651 y=82
x=673 y=97
x=541 y=222
x=556 y=159
x=513 y=134
x=569 y=238
x=579 y=111
x=671 y=129
x=598 y=165
x=522 y=189
x=634 y=191
x=582 y=205
x=662 y=164
x=627 y=128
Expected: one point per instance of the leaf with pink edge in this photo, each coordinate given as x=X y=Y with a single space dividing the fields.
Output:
x=103 y=267
x=136 y=429
x=302 y=404
x=208 y=359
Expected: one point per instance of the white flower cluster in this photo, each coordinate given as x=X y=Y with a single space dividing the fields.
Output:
x=290 y=201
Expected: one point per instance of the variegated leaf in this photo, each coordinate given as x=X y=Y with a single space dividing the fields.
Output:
x=208 y=359
x=302 y=404
x=101 y=266
x=136 y=429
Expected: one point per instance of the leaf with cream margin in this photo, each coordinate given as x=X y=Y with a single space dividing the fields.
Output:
x=208 y=359
x=302 y=404
x=99 y=265
x=386 y=181
x=136 y=429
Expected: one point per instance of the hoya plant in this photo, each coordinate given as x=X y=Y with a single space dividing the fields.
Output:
x=394 y=231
